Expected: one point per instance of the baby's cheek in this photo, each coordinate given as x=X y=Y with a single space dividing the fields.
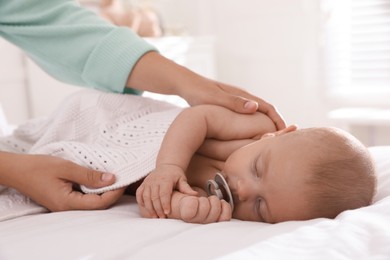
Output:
x=236 y=214
x=243 y=213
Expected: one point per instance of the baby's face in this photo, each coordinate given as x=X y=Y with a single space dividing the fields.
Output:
x=267 y=179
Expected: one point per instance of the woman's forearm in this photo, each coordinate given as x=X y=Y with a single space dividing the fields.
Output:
x=8 y=168
x=155 y=73
x=72 y=43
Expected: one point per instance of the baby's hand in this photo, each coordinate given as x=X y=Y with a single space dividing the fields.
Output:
x=204 y=210
x=155 y=192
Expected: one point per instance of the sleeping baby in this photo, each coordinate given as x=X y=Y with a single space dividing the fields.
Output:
x=272 y=176
x=205 y=163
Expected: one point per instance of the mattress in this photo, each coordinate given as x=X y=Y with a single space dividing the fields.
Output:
x=120 y=233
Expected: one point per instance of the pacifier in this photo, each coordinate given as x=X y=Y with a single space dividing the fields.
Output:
x=220 y=188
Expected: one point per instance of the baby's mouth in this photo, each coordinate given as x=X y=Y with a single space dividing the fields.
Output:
x=220 y=188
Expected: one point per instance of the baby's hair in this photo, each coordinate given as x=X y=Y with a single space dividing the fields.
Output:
x=342 y=176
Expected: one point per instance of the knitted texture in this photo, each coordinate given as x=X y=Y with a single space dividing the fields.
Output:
x=71 y=43
x=115 y=133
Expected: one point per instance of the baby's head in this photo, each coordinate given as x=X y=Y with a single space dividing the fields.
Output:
x=299 y=175
x=342 y=174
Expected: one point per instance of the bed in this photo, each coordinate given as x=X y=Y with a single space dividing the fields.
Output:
x=120 y=233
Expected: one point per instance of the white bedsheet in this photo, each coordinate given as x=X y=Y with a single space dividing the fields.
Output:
x=120 y=233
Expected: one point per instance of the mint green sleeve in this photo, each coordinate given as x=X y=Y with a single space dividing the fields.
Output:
x=72 y=43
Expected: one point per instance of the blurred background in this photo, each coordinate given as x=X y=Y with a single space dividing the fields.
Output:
x=321 y=62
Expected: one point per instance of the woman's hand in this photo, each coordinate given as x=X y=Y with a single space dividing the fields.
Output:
x=233 y=98
x=49 y=181
x=155 y=73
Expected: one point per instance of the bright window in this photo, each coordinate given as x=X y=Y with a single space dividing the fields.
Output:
x=357 y=50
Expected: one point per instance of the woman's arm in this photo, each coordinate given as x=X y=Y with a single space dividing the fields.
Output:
x=157 y=74
x=72 y=43
x=76 y=46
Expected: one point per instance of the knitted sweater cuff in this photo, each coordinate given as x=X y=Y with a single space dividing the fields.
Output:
x=111 y=62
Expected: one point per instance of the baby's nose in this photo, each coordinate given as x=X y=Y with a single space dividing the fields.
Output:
x=244 y=190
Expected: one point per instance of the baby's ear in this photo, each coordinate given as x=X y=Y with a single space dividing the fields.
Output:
x=268 y=135
x=288 y=129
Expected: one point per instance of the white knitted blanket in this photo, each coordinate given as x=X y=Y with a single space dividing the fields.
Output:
x=113 y=133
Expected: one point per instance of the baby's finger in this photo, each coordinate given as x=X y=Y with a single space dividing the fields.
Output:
x=166 y=190
x=203 y=210
x=148 y=202
x=215 y=210
x=155 y=197
x=188 y=208
x=139 y=196
x=226 y=213
x=185 y=188
x=77 y=200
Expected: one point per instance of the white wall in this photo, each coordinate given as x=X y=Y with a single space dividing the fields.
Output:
x=269 y=47
x=273 y=49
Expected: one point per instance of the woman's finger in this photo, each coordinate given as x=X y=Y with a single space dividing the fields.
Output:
x=79 y=201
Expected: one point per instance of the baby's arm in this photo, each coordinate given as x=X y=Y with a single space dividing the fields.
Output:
x=249 y=129
x=184 y=137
